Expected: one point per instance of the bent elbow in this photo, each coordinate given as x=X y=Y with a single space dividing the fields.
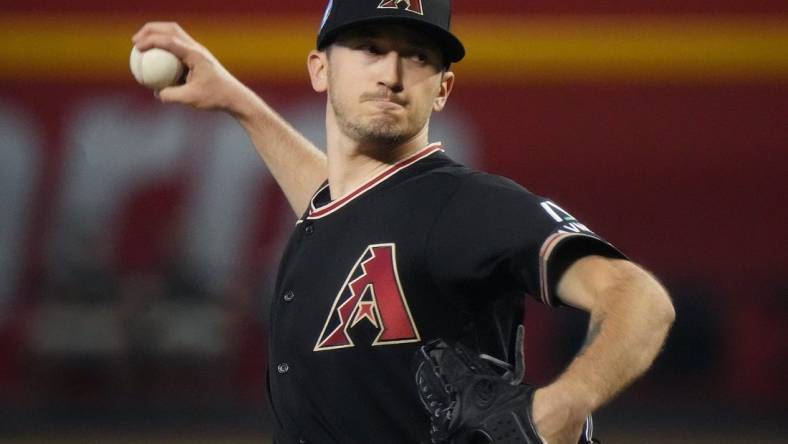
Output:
x=664 y=313
x=670 y=312
x=657 y=301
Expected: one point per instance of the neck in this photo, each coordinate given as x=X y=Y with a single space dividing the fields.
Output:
x=352 y=163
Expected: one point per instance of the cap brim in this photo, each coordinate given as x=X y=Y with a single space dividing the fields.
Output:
x=451 y=45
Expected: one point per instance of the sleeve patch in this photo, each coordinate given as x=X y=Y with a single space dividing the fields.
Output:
x=568 y=222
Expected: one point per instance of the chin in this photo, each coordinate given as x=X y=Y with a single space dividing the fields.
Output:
x=384 y=129
x=386 y=138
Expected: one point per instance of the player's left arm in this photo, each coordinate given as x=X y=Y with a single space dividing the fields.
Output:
x=630 y=315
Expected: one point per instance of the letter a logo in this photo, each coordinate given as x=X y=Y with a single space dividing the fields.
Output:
x=371 y=292
x=410 y=5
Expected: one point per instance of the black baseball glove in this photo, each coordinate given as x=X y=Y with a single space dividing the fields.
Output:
x=476 y=398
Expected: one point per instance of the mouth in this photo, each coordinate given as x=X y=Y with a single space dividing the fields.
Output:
x=386 y=103
x=385 y=99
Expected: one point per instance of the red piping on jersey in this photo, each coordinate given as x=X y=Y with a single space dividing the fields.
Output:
x=317 y=213
x=548 y=246
x=544 y=255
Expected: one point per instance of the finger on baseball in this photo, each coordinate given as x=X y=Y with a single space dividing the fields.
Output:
x=171 y=28
x=183 y=50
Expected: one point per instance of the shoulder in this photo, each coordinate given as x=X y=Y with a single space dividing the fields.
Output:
x=442 y=168
x=481 y=182
x=464 y=188
x=492 y=192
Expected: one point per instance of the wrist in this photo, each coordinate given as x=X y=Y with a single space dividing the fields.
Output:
x=572 y=401
x=244 y=105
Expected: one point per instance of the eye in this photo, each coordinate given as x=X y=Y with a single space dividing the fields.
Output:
x=370 y=48
x=418 y=54
x=420 y=57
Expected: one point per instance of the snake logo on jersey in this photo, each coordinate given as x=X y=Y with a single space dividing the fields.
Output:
x=371 y=292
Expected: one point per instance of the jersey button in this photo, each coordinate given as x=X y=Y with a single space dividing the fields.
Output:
x=309 y=228
x=301 y=440
x=283 y=368
x=289 y=296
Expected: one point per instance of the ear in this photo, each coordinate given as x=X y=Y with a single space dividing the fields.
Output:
x=447 y=83
x=317 y=64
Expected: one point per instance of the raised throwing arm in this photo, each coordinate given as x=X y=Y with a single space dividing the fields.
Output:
x=631 y=314
x=296 y=164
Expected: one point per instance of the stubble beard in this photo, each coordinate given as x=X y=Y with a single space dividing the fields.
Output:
x=383 y=130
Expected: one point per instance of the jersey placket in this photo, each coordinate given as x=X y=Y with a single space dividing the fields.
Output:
x=285 y=367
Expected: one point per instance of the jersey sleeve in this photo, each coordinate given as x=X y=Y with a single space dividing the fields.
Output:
x=494 y=236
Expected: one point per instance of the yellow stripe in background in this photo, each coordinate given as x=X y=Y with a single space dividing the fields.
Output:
x=500 y=49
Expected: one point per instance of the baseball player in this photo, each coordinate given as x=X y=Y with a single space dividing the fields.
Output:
x=398 y=299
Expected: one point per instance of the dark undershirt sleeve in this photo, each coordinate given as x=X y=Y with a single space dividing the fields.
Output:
x=495 y=237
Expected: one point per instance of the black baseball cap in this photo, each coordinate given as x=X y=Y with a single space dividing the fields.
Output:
x=431 y=16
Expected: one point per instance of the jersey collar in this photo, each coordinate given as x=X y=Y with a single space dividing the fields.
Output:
x=316 y=212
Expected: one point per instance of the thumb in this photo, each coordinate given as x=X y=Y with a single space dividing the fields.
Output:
x=174 y=94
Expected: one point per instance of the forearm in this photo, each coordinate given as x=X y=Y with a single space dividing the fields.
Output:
x=630 y=317
x=294 y=162
x=627 y=328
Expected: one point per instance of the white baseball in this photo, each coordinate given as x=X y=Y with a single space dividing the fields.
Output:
x=155 y=68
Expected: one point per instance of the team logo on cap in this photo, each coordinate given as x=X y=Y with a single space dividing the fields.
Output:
x=410 y=5
x=371 y=293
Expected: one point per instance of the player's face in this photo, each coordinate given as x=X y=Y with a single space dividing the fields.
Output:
x=383 y=83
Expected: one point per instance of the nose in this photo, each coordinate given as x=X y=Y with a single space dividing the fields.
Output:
x=390 y=73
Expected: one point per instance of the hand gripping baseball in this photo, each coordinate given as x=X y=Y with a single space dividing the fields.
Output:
x=208 y=84
x=476 y=398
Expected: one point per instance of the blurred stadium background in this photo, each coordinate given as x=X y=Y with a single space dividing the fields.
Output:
x=138 y=242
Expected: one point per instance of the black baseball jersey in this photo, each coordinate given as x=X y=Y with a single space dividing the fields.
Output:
x=427 y=249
